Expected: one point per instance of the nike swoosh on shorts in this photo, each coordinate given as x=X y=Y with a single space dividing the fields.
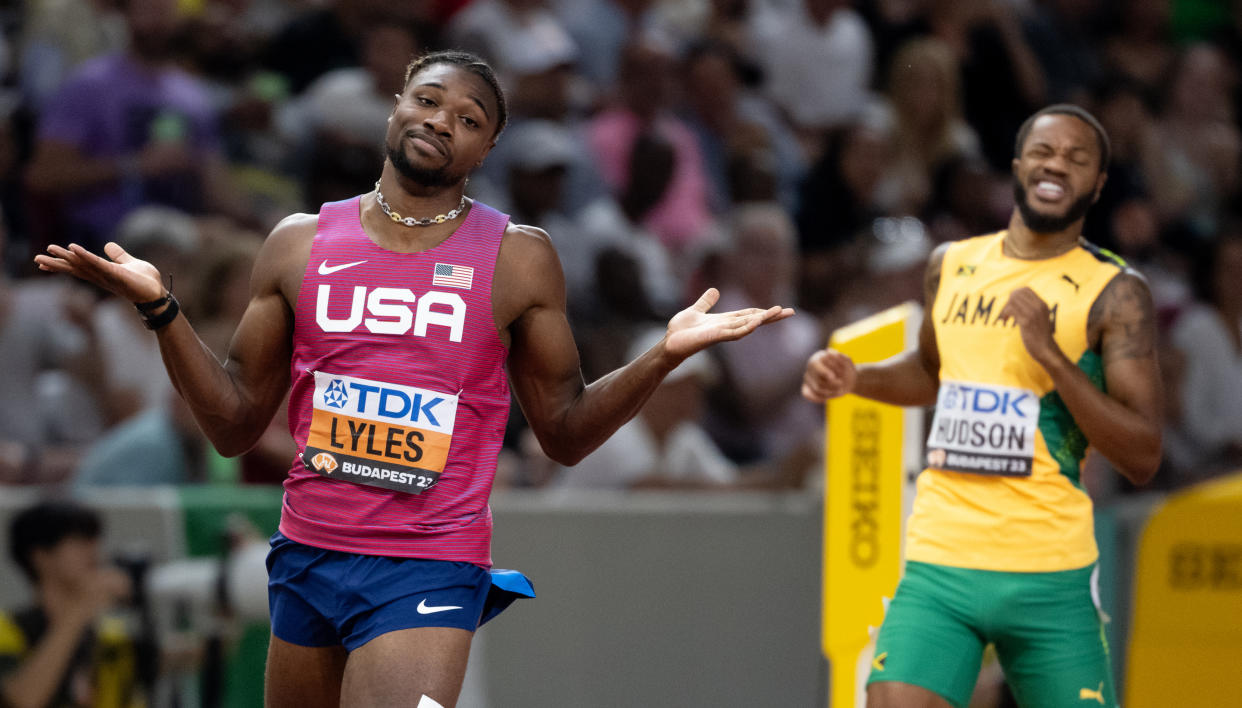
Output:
x=425 y=609
x=325 y=269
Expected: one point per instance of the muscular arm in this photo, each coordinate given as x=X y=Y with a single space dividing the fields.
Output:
x=232 y=401
x=568 y=417
x=1124 y=423
x=908 y=379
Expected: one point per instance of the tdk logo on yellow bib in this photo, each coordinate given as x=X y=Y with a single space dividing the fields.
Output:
x=379 y=434
x=983 y=429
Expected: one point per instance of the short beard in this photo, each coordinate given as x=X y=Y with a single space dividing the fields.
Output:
x=1048 y=223
x=424 y=177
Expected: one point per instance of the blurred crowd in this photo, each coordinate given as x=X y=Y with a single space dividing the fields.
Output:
x=798 y=152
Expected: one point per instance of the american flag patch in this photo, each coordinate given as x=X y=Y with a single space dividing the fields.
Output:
x=453 y=276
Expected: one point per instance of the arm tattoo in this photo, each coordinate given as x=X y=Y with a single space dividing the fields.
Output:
x=1122 y=319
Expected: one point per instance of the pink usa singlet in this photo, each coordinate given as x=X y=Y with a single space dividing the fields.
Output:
x=399 y=397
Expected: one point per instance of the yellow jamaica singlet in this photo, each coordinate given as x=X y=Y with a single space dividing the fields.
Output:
x=1001 y=490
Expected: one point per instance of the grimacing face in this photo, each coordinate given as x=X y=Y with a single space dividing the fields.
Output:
x=442 y=126
x=1057 y=175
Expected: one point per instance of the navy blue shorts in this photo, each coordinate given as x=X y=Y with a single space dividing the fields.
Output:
x=325 y=598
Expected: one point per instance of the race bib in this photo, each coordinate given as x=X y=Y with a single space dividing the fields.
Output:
x=983 y=429
x=379 y=434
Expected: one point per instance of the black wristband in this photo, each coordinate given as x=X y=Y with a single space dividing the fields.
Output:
x=154 y=322
x=146 y=307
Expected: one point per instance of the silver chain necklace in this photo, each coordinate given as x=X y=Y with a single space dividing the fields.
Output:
x=411 y=221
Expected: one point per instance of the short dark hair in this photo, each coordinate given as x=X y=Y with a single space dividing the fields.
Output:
x=470 y=62
x=1067 y=109
x=44 y=525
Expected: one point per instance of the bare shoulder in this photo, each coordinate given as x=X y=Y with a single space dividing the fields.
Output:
x=292 y=231
x=527 y=260
x=282 y=258
x=528 y=274
x=525 y=246
x=1122 y=320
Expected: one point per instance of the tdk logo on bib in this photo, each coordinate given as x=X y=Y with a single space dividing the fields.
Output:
x=335 y=395
x=984 y=429
x=384 y=402
x=378 y=433
x=974 y=399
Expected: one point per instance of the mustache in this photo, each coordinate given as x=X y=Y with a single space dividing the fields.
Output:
x=430 y=137
x=1050 y=223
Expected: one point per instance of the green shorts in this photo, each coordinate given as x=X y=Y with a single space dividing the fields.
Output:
x=1047 y=631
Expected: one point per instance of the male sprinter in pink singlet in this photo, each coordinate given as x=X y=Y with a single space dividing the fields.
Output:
x=395 y=316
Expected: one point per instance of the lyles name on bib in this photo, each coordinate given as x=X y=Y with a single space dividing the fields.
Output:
x=379 y=434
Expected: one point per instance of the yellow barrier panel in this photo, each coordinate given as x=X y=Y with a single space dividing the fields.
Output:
x=870 y=446
x=1186 y=638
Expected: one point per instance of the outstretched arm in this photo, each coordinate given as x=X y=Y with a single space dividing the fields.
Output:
x=908 y=379
x=569 y=418
x=1124 y=423
x=234 y=400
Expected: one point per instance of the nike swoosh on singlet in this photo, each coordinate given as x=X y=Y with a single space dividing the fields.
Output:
x=325 y=269
x=425 y=609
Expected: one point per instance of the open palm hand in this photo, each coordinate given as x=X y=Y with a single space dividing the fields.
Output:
x=122 y=275
x=696 y=328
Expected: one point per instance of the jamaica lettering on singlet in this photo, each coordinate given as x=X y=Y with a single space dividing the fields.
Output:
x=1001 y=490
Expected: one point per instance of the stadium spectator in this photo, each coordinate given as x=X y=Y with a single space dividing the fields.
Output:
x=1200 y=141
x=57 y=652
x=735 y=126
x=129 y=129
x=58 y=36
x=1208 y=336
x=1001 y=78
x=680 y=215
x=796 y=40
x=160 y=235
x=602 y=29
x=1140 y=48
x=924 y=92
x=343 y=113
x=756 y=412
x=516 y=36
x=666 y=447
x=1060 y=34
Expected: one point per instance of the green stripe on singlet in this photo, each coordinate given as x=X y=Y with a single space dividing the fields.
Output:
x=1065 y=440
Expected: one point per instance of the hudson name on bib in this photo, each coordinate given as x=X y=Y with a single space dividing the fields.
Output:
x=983 y=429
